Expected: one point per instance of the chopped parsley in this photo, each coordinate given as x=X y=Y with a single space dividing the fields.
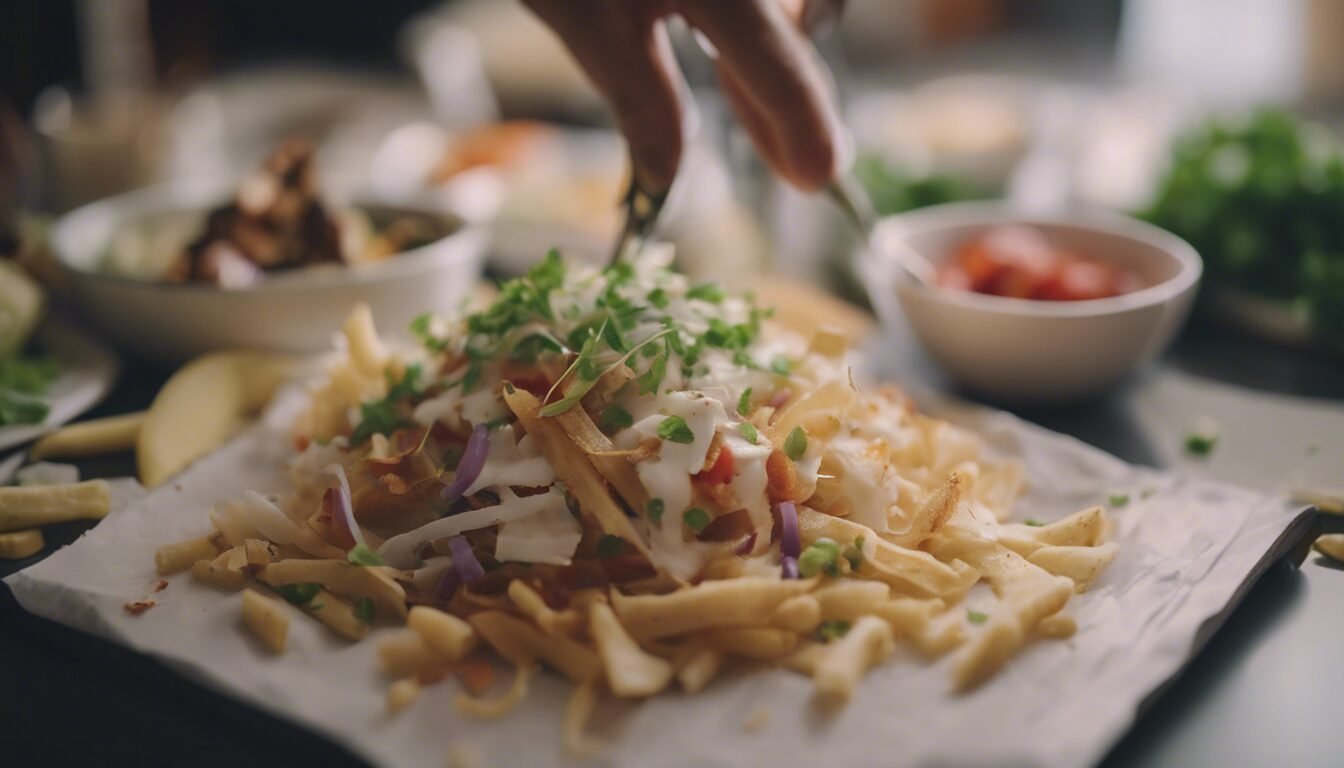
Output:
x=832 y=630
x=1034 y=523
x=744 y=403
x=781 y=365
x=854 y=553
x=822 y=557
x=609 y=546
x=674 y=429
x=654 y=510
x=795 y=445
x=696 y=519
x=615 y=417
x=360 y=554
x=422 y=329
x=976 y=617
x=298 y=594
x=363 y=610
x=749 y=432
x=1117 y=499
x=711 y=292
x=377 y=417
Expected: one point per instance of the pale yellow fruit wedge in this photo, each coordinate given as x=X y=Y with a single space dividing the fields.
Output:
x=98 y=437
x=204 y=404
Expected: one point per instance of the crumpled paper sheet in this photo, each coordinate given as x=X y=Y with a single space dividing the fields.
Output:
x=1186 y=549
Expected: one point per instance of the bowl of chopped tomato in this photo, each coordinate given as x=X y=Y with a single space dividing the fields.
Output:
x=1032 y=307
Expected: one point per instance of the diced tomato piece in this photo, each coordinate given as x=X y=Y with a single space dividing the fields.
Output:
x=721 y=471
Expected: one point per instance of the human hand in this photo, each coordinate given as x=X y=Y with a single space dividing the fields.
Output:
x=769 y=74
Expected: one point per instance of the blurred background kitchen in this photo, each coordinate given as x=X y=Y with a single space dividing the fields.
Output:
x=472 y=107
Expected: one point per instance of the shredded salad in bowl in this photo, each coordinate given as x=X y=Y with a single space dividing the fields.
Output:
x=639 y=483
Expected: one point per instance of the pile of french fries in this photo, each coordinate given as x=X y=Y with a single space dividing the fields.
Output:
x=25 y=509
x=637 y=637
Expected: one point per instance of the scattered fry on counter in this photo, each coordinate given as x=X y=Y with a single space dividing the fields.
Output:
x=17 y=545
x=1332 y=546
x=267 y=619
x=85 y=439
x=29 y=506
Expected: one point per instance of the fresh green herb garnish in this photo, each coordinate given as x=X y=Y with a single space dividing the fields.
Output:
x=832 y=630
x=744 y=402
x=696 y=519
x=1200 y=444
x=749 y=432
x=363 y=610
x=781 y=365
x=674 y=429
x=1033 y=523
x=609 y=546
x=298 y=594
x=377 y=417
x=976 y=617
x=821 y=557
x=711 y=292
x=360 y=554
x=795 y=445
x=1117 y=499
x=615 y=417
x=22 y=382
x=421 y=328
x=654 y=510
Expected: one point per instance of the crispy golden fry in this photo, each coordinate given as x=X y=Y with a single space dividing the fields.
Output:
x=846 y=660
x=1081 y=529
x=217 y=573
x=17 y=545
x=402 y=694
x=742 y=602
x=578 y=711
x=830 y=399
x=805 y=659
x=258 y=552
x=616 y=470
x=931 y=514
x=1057 y=626
x=1026 y=593
x=98 y=437
x=1082 y=564
x=337 y=614
x=923 y=623
x=34 y=505
x=800 y=614
x=699 y=667
x=848 y=599
x=365 y=349
x=573 y=468
x=267 y=619
x=909 y=571
x=1331 y=545
x=551 y=621
x=631 y=672
x=521 y=643
x=406 y=652
x=358 y=582
x=445 y=633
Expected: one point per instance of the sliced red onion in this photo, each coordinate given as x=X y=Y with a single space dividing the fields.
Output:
x=448 y=583
x=469 y=468
x=788 y=567
x=790 y=542
x=780 y=397
x=746 y=545
x=464 y=560
x=343 y=509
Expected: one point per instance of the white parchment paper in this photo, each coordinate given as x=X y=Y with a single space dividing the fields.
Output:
x=1185 y=550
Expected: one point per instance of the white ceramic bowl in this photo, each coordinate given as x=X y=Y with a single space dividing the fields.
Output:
x=295 y=311
x=1024 y=350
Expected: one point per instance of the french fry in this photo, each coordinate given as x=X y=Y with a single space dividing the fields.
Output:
x=846 y=660
x=267 y=619
x=337 y=614
x=699 y=667
x=1081 y=529
x=217 y=573
x=552 y=622
x=31 y=506
x=1057 y=626
x=909 y=571
x=616 y=470
x=1331 y=545
x=402 y=694
x=97 y=437
x=1081 y=564
x=710 y=605
x=405 y=652
x=578 y=711
x=17 y=545
x=573 y=468
x=799 y=614
x=848 y=599
x=355 y=581
x=630 y=671
x=179 y=556
x=931 y=514
x=445 y=633
x=521 y=643
x=759 y=643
